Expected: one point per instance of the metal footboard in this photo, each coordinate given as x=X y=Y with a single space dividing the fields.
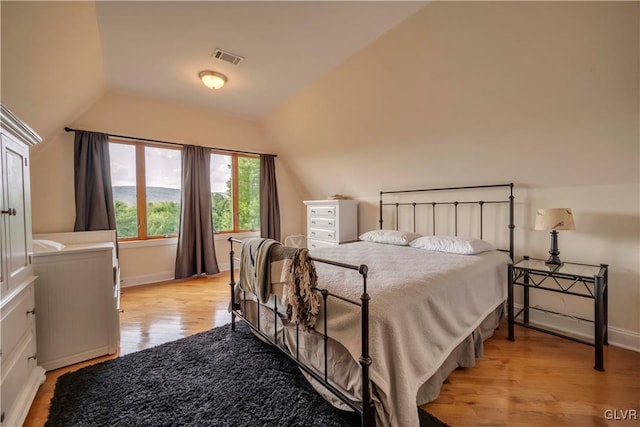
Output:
x=366 y=408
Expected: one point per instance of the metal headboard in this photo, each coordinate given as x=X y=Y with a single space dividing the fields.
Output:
x=509 y=200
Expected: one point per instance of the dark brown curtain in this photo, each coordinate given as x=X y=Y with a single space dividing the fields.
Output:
x=269 y=205
x=94 y=199
x=196 y=252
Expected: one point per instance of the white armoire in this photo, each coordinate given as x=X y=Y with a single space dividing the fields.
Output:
x=21 y=375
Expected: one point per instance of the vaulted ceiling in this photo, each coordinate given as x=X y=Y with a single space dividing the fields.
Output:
x=58 y=58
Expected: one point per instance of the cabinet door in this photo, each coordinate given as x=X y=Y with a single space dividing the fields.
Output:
x=17 y=200
x=3 y=279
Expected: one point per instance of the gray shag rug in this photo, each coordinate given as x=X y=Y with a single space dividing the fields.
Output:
x=215 y=378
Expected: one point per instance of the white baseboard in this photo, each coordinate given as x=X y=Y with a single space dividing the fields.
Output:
x=144 y=279
x=581 y=329
x=625 y=339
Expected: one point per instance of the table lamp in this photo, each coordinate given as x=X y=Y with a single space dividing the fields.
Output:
x=554 y=219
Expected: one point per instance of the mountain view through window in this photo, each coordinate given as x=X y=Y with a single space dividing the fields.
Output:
x=146 y=184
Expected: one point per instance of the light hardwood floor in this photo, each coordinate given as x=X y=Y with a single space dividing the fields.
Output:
x=538 y=380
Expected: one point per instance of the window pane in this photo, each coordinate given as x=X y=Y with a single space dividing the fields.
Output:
x=123 y=181
x=221 y=198
x=249 y=193
x=163 y=177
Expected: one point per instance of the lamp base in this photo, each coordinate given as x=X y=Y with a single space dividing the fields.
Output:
x=554 y=260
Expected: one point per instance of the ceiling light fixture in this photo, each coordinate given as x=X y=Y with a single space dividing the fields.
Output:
x=212 y=79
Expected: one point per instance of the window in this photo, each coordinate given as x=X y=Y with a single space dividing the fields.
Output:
x=163 y=178
x=146 y=180
x=146 y=190
x=124 y=187
x=235 y=192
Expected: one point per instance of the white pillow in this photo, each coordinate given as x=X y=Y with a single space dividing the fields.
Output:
x=453 y=245
x=46 y=245
x=389 y=237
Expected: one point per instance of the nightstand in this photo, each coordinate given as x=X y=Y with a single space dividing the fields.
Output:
x=331 y=222
x=579 y=280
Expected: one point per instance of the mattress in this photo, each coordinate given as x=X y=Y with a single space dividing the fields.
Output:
x=424 y=305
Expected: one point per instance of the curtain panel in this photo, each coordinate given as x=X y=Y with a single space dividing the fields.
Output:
x=92 y=178
x=196 y=251
x=269 y=204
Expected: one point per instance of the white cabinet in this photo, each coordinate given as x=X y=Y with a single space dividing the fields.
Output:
x=77 y=295
x=21 y=375
x=331 y=222
x=16 y=212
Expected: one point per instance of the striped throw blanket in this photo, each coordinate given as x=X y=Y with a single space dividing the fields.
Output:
x=298 y=273
x=255 y=272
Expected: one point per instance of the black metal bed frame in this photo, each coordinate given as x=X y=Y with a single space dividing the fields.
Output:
x=366 y=409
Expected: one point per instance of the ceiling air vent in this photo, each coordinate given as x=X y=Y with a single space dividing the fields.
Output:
x=227 y=56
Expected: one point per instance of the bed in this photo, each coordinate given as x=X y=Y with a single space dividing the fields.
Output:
x=394 y=320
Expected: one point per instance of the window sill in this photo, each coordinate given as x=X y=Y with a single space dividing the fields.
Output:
x=130 y=244
x=242 y=235
x=148 y=243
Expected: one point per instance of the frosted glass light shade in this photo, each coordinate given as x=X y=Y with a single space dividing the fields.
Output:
x=212 y=80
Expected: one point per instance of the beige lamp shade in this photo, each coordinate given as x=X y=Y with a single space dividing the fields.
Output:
x=554 y=219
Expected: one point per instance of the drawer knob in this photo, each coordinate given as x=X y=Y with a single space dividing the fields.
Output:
x=313 y=232
x=312 y=211
x=32 y=311
x=34 y=357
x=313 y=222
x=330 y=223
x=330 y=212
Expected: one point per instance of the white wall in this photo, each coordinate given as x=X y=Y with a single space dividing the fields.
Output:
x=52 y=67
x=121 y=113
x=542 y=94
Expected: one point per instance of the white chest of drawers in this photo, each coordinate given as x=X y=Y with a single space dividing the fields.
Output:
x=331 y=222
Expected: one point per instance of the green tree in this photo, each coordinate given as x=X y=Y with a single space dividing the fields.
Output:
x=126 y=219
x=163 y=218
x=249 y=193
x=221 y=209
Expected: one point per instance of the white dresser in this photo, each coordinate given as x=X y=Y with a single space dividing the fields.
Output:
x=21 y=375
x=77 y=295
x=331 y=222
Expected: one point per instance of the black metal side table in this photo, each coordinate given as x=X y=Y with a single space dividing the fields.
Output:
x=580 y=280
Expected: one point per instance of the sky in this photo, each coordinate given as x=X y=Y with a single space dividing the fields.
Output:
x=163 y=167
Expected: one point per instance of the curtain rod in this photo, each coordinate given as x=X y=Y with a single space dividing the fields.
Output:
x=68 y=129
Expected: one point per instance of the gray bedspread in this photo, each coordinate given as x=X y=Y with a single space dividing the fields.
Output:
x=423 y=305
